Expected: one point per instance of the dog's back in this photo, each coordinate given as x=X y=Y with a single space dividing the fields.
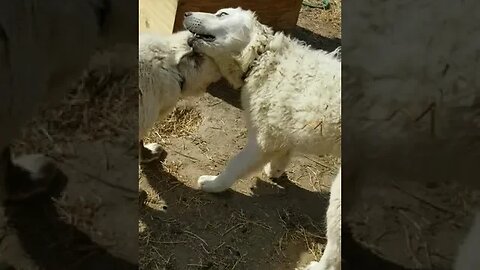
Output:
x=159 y=79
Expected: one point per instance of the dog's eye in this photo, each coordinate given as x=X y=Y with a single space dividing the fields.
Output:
x=221 y=14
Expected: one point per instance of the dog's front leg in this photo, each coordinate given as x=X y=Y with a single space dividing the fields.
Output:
x=244 y=163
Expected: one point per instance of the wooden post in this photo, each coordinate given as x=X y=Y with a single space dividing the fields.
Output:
x=278 y=14
x=157 y=16
x=166 y=16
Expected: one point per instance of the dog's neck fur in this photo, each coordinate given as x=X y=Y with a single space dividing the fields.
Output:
x=236 y=68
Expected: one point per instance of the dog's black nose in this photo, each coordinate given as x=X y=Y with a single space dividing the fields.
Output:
x=188 y=14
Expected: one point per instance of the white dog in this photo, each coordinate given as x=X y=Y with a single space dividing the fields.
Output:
x=168 y=70
x=291 y=95
x=290 y=92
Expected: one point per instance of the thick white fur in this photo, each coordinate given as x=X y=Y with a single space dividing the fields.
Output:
x=164 y=62
x=44 y=46
x=290 y=96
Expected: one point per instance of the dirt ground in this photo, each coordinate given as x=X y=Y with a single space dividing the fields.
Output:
x=92 y=138
x=258 y=224
x=418 y=226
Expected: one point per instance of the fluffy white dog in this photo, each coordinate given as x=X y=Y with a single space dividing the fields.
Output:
x=168 y=70
x=291 y=95
x=290 y=92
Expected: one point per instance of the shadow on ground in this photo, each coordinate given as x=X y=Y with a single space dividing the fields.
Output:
x=269 y=223
x=53 y=244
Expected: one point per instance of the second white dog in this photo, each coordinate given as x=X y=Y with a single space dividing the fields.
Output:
x=168 y=70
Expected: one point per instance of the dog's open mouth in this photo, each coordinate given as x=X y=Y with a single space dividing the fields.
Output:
x=205 y=37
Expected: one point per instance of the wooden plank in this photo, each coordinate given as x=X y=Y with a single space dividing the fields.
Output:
x=278 y=14
x=157 y=16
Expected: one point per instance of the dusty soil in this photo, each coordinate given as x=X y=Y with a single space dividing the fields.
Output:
x=258 y=224
x=418 y=226
x=91 y=136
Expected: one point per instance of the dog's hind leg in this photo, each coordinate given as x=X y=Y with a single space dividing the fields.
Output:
x=331 y=258
x=250 y=159
x=276 y=167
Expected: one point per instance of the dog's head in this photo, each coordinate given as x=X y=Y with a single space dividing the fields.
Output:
x=228 y=31
x=197 y=70
x=172 y=53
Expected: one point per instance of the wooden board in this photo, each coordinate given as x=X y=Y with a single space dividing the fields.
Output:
x=166 y=16
x=157 y=16
x=279 y=14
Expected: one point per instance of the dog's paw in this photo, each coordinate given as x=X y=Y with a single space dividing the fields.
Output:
x=210 y=183
x=154 y=148
x=33 y=175
x=39 y=167
x=273 y=172
x=150 y=152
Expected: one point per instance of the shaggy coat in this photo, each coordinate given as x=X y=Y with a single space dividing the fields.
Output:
x=291 y=96
x=290 y=93
x=169 y=70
